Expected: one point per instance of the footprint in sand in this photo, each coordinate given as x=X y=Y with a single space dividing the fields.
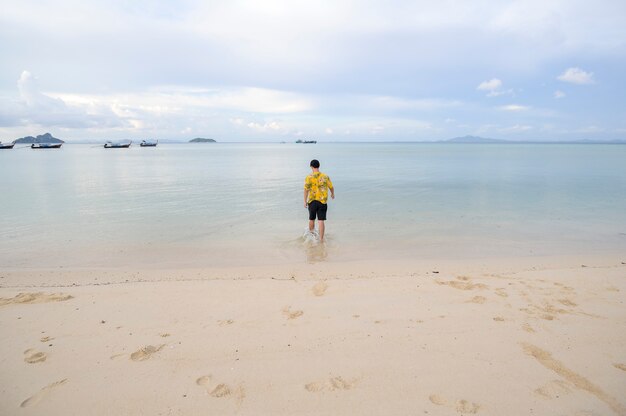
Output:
x=620 y=366
x=203 y=381
x=146 y=352
x=436 y=399
x=46 y=339
x=554 y=389
x=37 y=397
x=462 y=283
x=567 y=302
x=38 y=297
x=319 y=289
x=478 y=299
x=332 y=384
x=461 y=406
x=224 y=322
x=501 y=292
x=545 y=359
x=222 y=389
x=31 y=356
x=292 y=314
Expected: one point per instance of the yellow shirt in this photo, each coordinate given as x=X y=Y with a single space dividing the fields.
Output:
x=317 y=184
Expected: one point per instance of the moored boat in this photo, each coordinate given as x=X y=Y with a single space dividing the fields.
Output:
x=117 y=145
x=46 y=145
x=7 y=145
x=148 y=143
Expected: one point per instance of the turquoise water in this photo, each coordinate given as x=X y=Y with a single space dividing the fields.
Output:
x=241 y=204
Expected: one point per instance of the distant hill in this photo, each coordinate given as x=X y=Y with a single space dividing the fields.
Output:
x=474 y=139
x=43 y=138
x=201 y=140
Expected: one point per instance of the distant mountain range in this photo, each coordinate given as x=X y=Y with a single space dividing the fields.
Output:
x=477 y=139
x=201 y=140
x=474 y=139
x=43 y=138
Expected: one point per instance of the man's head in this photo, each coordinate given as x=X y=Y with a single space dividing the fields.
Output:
x=315 y=164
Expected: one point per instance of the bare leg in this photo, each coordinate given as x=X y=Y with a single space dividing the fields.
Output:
x=321 y=225
x=311 y=225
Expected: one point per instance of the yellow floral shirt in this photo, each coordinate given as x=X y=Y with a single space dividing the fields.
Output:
x=317 y=184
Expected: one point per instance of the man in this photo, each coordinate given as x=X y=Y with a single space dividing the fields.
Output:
x=316 y=187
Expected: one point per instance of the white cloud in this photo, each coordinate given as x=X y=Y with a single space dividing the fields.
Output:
x=514 y=107
x=493 y=88
x=265 y=127
x=491 y=85
x=328 y=130
x=171 y=100
x=559 y=94
x=577 y=76
x=35 y=108
x=590 y=129
x=518 y=128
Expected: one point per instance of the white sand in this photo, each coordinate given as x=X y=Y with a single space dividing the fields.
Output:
x=516 y=337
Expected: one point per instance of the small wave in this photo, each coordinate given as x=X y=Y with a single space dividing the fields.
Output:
x=310 y=238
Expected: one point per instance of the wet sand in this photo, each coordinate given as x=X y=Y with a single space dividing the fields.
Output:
x=527 y=336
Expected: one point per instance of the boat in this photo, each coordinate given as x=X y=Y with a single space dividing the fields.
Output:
x=7 y=145
x=148 y=143
x=306 y=141
x=115 y=145
x=46 y=145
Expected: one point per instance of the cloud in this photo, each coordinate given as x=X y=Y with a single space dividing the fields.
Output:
x=172 y=99
x=491 y=85
x=265 y=127
x=559 y=94
x=576 y=76
x=493 y=88
x=34 y=107
x=514 y=107
x=518 y=128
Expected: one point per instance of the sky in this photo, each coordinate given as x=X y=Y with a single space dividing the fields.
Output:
x=327 y=70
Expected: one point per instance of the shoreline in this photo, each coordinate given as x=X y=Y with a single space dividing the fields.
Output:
x=514 y=336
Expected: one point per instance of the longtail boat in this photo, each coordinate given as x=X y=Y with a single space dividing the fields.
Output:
x=7 y=145
x=46 y=145
x=117 y=145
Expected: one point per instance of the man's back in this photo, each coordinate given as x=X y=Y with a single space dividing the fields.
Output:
x=318 y=184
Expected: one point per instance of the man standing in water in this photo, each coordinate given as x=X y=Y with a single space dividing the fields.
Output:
x=316 y=187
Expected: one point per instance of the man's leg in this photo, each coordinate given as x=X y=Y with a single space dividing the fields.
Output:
x=321 y=225
x=311 y=225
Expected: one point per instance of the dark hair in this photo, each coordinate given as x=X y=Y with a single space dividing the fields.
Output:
x=315 y=163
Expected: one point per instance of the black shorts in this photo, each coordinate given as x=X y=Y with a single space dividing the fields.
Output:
x=319 y=209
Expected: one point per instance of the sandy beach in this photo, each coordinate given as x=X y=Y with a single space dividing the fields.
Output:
x=532 y=336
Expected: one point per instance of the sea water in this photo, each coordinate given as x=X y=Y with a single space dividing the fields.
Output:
x=224 y=204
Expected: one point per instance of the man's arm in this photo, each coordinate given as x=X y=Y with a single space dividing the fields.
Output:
x=306 y=197
x=332 y=192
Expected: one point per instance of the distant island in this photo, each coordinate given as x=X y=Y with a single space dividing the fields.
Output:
x=477 y=139
x=474 y=139
x=201 y=140
x=43 y=138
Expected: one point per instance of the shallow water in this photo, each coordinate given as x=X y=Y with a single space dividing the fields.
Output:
x=241 y=204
